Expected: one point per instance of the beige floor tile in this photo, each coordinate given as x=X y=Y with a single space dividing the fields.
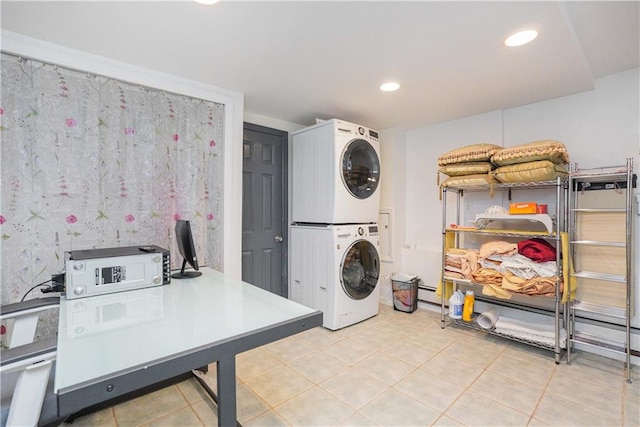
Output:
x=385 y=368
x=321 y=337
x=278 y=385
x=357 y=420
x=318 y=366
x=410 y=352
x=517 y=395
x=445 y=421
x=519 y=349
x=289 y=349
x=182 y=417
x=558 y=411
x=473 y=409
x=353 y=387
x=475 y=351
x=599 y=363
x=631 y=410
x=534 y=422
x=102 y=418
x=149 y=407
x=207 y=412
x=358 y=328
x=378 y=337
x=404 y=326
x=429 y=389
x=392 y=408
x=255 y=363
x=193 y=391
x=434 y=337
x=350 y=351
x=248 y=404
x=633 y=388
x=267 y=419
x=604 y=392
x=524 y=367
x=450 y=369
x=314 y=407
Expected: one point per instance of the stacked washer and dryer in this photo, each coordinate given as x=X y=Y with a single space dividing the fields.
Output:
x=335 y=265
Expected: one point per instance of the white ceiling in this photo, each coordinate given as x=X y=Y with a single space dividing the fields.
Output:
x=296 y=61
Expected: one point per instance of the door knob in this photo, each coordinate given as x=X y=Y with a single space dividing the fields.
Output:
x=278 y=239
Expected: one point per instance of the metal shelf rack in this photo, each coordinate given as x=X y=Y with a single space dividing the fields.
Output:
x=560 y=186
x=620 y=179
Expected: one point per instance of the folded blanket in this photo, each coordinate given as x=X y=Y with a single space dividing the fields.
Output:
x=526 y=268
x=531 y=331
x=464 y=261
x=449 y=274
x=486 y=275
x=537 y=249
x=534 y=286
x=492 y=290
x=497 y=247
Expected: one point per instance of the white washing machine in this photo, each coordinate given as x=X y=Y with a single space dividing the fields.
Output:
x=335 y=174
x=336 y=269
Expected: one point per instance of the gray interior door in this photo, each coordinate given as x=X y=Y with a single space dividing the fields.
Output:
x=264 y=208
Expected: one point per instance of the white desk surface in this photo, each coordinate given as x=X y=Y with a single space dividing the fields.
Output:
x=105 y=335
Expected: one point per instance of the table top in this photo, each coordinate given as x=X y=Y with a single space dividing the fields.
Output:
x=107 y=335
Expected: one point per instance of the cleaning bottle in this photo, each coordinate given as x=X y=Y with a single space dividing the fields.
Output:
x=456 y=302
x=467 y=311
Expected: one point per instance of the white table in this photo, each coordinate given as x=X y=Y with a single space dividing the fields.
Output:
x=114 y=344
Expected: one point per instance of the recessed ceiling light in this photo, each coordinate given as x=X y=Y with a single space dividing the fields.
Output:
x=389 y=86
x=206 y=2
x=520 y=38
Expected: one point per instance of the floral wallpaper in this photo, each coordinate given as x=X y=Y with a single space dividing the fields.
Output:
x=92 y=162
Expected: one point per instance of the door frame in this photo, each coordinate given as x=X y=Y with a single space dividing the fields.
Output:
x=285 y=196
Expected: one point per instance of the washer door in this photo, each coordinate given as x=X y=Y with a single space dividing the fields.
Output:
x=360 y=269
x=360 y=168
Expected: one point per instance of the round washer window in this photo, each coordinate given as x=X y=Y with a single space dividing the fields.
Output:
x=360 y=168
x=360 y=270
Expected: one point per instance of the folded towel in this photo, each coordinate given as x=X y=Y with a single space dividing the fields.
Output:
x=531 y=331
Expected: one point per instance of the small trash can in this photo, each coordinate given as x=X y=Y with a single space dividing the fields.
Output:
x=405 y=292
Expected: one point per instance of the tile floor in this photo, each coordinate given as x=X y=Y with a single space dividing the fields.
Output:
x=399 y=369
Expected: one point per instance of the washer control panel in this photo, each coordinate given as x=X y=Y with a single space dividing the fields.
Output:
x=367 y=230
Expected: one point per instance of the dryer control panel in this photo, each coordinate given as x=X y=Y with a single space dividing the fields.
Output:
x=368 y=230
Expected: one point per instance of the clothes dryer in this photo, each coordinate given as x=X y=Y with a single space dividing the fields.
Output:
x=335 y=174
x=336 y=269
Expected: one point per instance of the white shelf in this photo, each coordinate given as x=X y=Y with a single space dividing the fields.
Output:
x=483 y=220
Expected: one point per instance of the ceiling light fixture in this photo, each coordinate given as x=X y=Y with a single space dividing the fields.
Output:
x=206 y=2
x=389 y=87
x=520 y=38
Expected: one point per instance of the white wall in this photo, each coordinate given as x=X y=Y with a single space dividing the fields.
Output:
x=424 y=146
x=392 y=176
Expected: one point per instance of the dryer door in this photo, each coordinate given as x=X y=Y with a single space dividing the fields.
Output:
x=360 y=168
x=360 y=269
